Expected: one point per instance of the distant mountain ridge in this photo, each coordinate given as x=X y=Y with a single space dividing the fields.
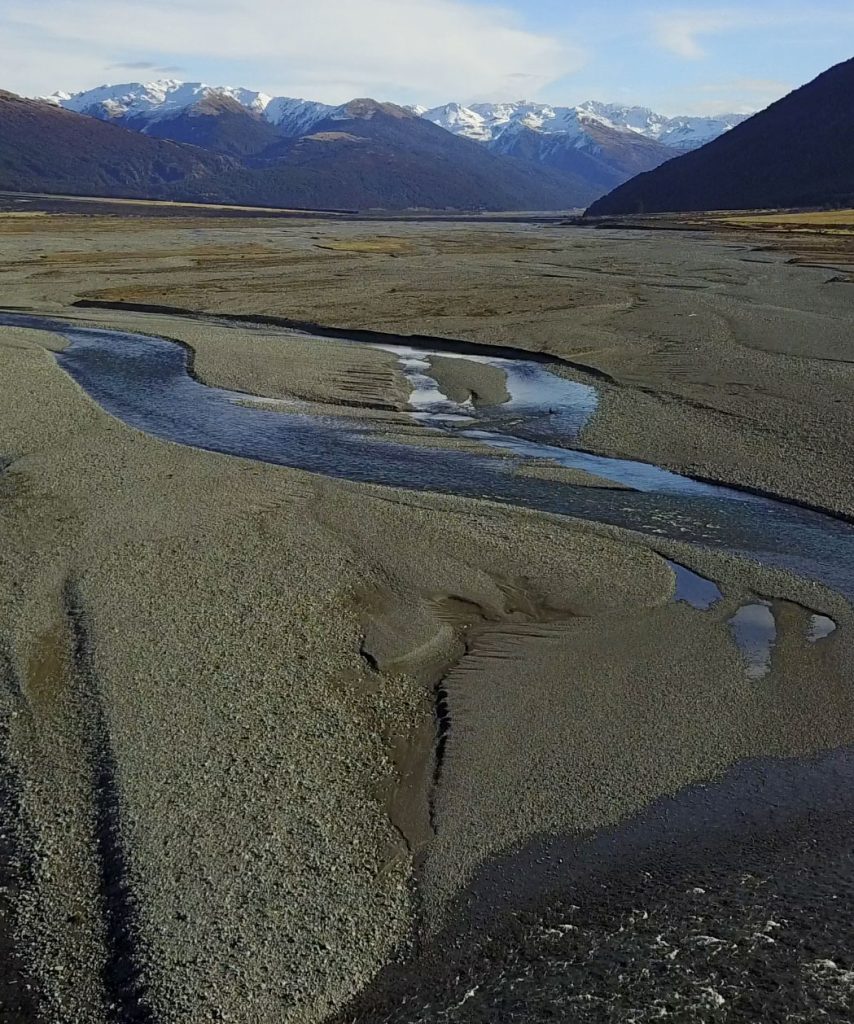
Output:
x=482 y=122
x=603 y=143
x=371 y=155
x=138 y=103
x=599 y=145
x=363 y=155
x=797 y=152
x=485 y=122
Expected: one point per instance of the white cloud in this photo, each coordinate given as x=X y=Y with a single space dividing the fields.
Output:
x=327 y=49
x=684 y=31
x=740 y=95
x=681 y=32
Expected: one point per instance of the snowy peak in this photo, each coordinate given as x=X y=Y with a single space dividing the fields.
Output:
x=157 y=101
x=459 y=120
x=486 y=121
x=296 y=117
x=142 y=103
x=153 y=100
x=682 y=133
x=685 y=133
x=531 y=115
x=637 y=119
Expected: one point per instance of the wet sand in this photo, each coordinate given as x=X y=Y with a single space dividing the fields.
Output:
x=543 y=470
x=216 y=671
x=465 y=381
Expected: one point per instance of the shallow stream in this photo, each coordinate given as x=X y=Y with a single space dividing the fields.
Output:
x=146 y=382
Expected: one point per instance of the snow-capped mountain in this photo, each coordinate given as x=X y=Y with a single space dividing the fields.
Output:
x=593 y=146
x=152 y=101
x=460 y=120
x=138 y=102
x=484 y=122
x=687 y=133
x=682 y=133
x=196 y=143
x=601 y=143
x=296 y=117
x=47 y=149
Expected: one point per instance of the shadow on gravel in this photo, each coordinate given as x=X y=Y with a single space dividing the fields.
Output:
x=123 y=980
x=728 y=904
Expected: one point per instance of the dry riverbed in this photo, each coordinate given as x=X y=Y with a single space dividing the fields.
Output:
x=217 y=702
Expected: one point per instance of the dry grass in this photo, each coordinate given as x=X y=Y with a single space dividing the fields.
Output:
x=169 y=204
x=194 y=255
x=388 y=246
x=815 y=238
x=823 y=221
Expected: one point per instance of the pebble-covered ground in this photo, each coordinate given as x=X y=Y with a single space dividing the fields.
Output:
x=219 y=797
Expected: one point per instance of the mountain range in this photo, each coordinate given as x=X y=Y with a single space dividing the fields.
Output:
x=178 y=140
x=484 y=122
x=798 y=152
x=363 y=155
x=592 y=147
x=603 y=143
x=138 y=105
x=369 y=155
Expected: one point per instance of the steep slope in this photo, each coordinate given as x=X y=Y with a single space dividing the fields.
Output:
x=680 y=133
x=216 y=122
x=293 y=117
x=46 y=149
x=484 y=122
x=798 y=152
x=377 y=155
x=601 y=156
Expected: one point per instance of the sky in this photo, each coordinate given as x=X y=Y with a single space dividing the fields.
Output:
x=682 y=58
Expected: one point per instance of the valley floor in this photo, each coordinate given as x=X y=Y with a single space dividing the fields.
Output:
x=715 y=353
x=216 y=710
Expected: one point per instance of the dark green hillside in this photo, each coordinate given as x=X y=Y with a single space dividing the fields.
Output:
x=46 y=149
x=216 y=123
x=367 y=156
x=798 y=152
x=606 y=160
x=376 y=155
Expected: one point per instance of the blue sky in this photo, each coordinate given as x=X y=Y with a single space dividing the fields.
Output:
x=689 y=57
x=698 y=57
